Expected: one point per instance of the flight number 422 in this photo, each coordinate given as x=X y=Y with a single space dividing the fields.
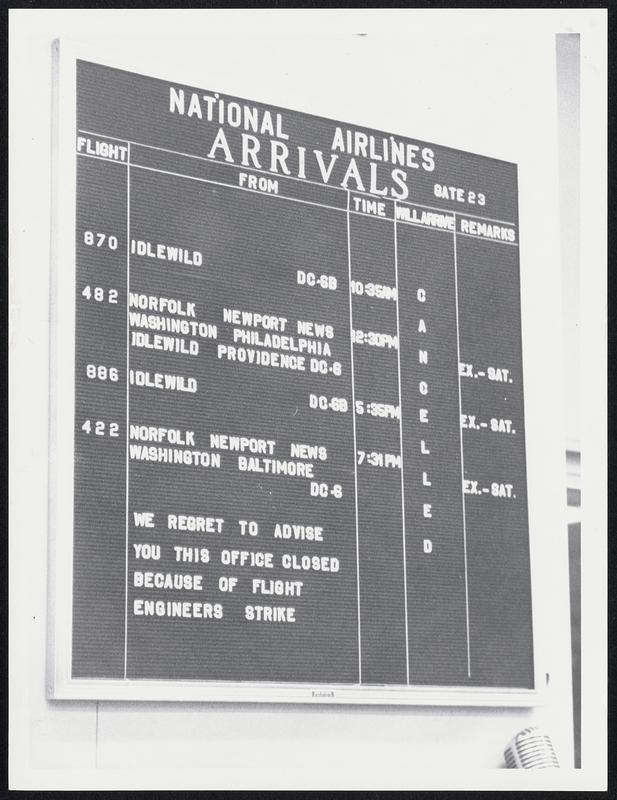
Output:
x=100 y=428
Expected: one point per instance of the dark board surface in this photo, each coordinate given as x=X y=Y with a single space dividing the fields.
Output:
x=299 y=432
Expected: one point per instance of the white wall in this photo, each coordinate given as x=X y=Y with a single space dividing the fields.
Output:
x=568 y=110
x=478 y=81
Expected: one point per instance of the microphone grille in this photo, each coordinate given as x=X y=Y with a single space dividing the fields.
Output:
x=531 y=749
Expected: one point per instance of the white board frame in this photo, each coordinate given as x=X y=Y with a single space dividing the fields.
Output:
x=60 y=684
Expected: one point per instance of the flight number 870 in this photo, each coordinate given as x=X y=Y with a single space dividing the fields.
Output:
x=93 y=239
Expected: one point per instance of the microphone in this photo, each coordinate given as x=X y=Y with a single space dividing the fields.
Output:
x=531 y=749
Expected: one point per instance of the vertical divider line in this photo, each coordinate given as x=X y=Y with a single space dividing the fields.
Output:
x=460 y=411
x=400 y=400
x=355 y=443
x=96 y=735
x=126 y=492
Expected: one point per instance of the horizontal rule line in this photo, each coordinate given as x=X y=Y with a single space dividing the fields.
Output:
x=218 y=183
x=486 y=239
x=292 y=199
x=288 y=177
x=218 y=161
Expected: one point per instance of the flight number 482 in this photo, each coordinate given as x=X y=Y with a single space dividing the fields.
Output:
x=99 y=294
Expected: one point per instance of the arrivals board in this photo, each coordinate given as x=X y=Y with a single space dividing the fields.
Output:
x=298 y=440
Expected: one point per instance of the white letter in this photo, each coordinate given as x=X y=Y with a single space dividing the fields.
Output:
x=325 y=173
x=278 y=154
x=221 y=141
x=250 y=148
x=352 y=172
x=176 y=100
x=337 y=142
